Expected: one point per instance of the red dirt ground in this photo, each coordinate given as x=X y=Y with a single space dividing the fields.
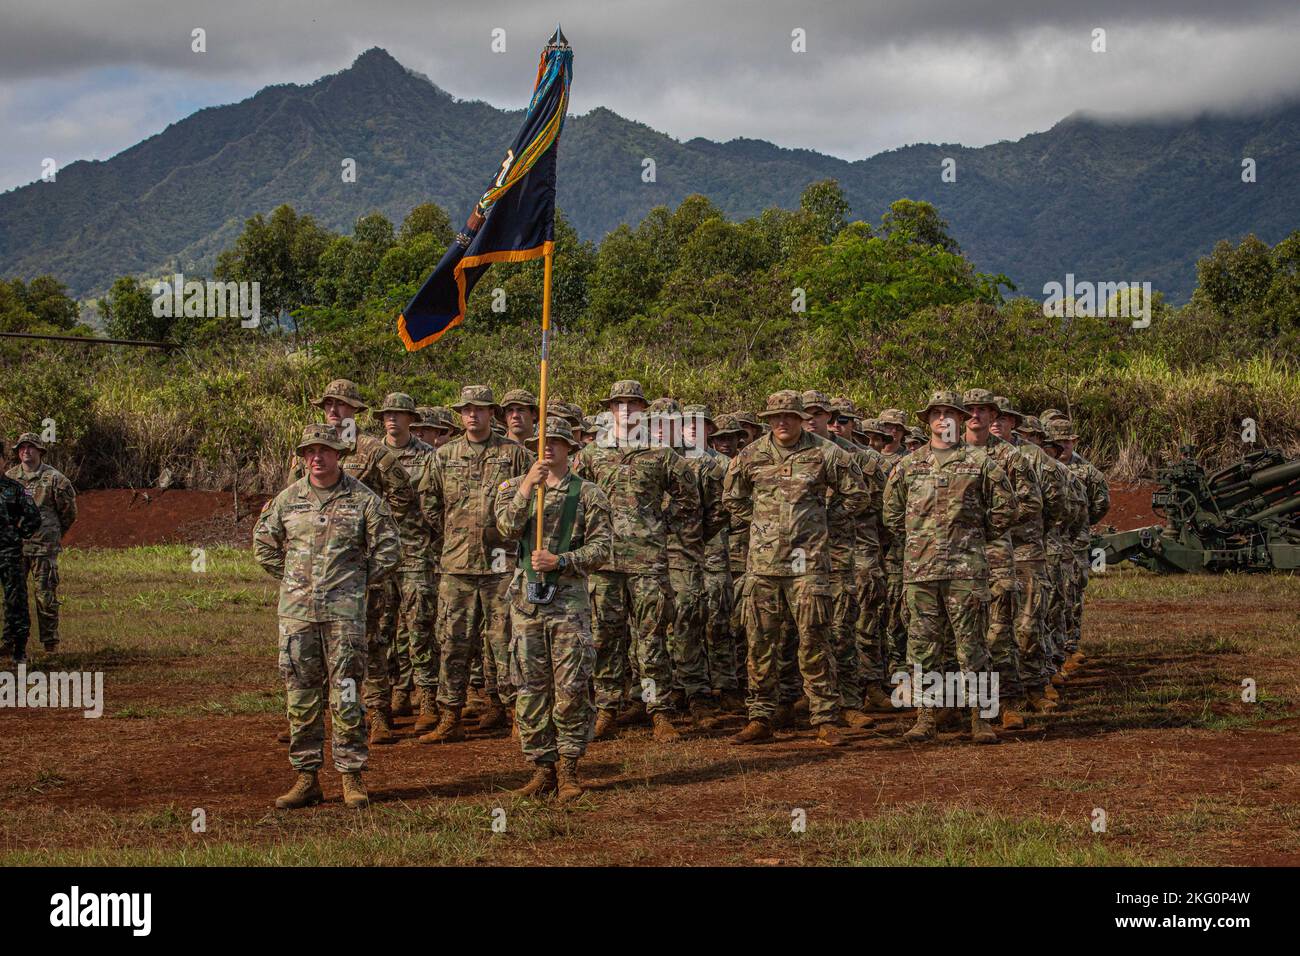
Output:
x=124 y=518
x=1130 y=506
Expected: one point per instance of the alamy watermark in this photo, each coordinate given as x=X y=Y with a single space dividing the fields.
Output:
x=977 y=689
x=208 y=300
x=1112 y=300
x=78 y=690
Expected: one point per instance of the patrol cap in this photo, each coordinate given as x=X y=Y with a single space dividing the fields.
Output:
x=871 y=426
x=1006 y=408
x=1059 y=430
x=1030 y=425
x=475 y=395
x=588 y=426
x=563 y=411
x=815 y=399
x=321 y=434
x=700 y=411
x=344 y=391
x=558 y=428
x=727 y=425
x=665 y=406
x=440 y=416
x=625 y=390
x=1047 y=413
x=786 y=401
x=398 y=402
x=29 y=438
x=943 y=399
x=979 y=396
x=893 y=416
x=519 y=396
x=844 y=408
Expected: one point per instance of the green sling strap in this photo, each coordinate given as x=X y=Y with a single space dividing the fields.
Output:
x=567 y=516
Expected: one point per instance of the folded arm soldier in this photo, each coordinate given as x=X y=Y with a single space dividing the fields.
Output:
x=460 y=488
x=370 y=462
x=651 y=492
x=408 y=628
x=945 y=501
x=19 y=520
x=552 y=652
x=57 y=501
x=328 y=539
x=780 y=488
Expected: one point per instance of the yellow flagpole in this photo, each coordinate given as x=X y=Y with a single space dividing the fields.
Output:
x=541 y=392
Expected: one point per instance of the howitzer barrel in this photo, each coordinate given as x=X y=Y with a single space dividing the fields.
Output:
x=1289 y=506
x=1276 y=475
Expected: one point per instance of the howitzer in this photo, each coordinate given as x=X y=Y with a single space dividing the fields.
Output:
x=1245 y=517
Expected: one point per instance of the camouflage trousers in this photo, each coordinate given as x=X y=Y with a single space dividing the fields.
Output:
x=894 y=623
x=844 y=638
x=629 y=617
x=1004 y=653
x=738 y=635
x=1059 y=577
x=552 y=655
x=317 y=659
x=768 y=605
x=686 y=648
x=1031 y=616
x=469 y=603
x=18 y=624
x=381 y=608
x=946 y=617
x=44 y=571
x=1082 y=567
x=719 y=639
x=412 y=650
x=869 y=629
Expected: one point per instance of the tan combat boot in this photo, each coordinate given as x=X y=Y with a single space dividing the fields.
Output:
x=1011 y=717
x=1039 y=702
x=633 y=713
x=733 y=701
x=980 y=731
x=664 y=730
x=877 y=699
x=380 y=731
x=1051 y=693
x=540 y=783
x=606 y=723
x=570 y=787
x=514 y=723
x=755 y=732
x=493 y=716
x=476 y=700
x=1079 y=657
x=304 y=792
x=925 y=728
x=449 y=730
x=354 y=791
x=282 y=737
x=401 y=703
x=702 y=714
x=1058 y=679
x=855 y=718
x=428 y=717
x=828 y=735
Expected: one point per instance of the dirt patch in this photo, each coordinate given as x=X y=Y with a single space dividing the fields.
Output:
x=124 y=518
x=1130 y=506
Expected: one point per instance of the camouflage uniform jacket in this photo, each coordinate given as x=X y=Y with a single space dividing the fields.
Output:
x=651 y=491
x=717 y=549
x=1025 y=532
x=415 y=457
x=1097 y=492
x=784 y=502
x=590 y=544
x=21 y=518
x=57 y=500
x=868 y=546
x=457 y=494
x=891 y=547
x=326 y=553
x=708 y=480
x=1051 y=486
x=947 y=513
x=846 y=530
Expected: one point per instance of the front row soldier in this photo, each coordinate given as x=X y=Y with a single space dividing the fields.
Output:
x=19 y=520
x=945 y=502
x=552 y=653
x=57 y=501
x=779 y=488
x=329 y=540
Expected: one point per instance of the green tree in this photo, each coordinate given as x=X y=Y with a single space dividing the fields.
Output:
x=282 y=254
x=128 y=313
x=918 y=222
x=426 y=219
x=827 y=206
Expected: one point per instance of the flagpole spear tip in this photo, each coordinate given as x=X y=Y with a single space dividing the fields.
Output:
x=558 y=38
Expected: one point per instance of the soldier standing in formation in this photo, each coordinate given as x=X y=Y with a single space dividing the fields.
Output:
x=329 y=540
x=19 y=520
x=552 y=651
x=57 y=501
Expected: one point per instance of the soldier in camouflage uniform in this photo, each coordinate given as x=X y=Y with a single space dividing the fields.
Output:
x=19 y=520
x=328 y=539
x=456 y=493
x=945 y=501
x=1031 y=558
x=519 y=414
x=57 y=501
x=551 y=648
x=408 y=626
x=783 y=488
x=751 y=428
x=435 y=427
x=370 y=462
x=914 y=440
x=699 y=430
x=1021 y=538
x=891 y=425
x=846 y=545
x=686 y=646
x=651 y=493
x=726 y=441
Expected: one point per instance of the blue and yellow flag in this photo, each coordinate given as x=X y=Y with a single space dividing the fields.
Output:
x=515 y=219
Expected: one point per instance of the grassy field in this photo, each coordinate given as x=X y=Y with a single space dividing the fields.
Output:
x=1156 y=737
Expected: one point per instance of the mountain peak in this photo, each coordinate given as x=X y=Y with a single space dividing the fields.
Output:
x=376 y=60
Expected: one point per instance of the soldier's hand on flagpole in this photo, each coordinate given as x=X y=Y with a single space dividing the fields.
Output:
x=544 y=561
x=537 y=475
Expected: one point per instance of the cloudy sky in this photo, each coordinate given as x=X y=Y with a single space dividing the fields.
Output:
x=84 y=79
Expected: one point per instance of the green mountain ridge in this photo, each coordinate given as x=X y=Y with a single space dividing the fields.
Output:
x=1101 y=198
